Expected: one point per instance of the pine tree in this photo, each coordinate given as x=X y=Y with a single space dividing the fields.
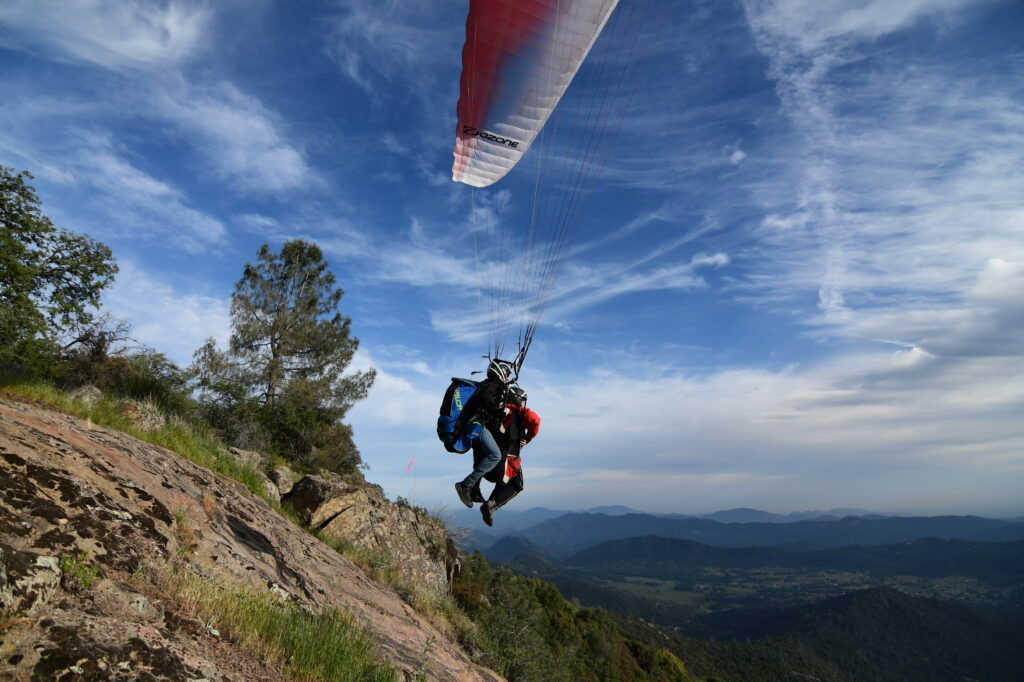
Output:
x=285 y=366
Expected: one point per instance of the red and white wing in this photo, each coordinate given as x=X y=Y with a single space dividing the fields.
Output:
x=518 y=60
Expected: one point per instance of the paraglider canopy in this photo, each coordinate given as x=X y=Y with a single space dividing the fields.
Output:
x=519 y=59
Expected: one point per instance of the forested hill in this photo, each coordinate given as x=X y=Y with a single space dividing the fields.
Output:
x=879 y=635
x=572 y=533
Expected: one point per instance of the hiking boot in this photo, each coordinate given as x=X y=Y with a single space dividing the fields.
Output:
x=465 y=494
x=477 y=495
x=487 y=511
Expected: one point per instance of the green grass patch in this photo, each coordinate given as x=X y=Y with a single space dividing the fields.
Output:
x=78 y=573
x=653 y=588
x=315 y=645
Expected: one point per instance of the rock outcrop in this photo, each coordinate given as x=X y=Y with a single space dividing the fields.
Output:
x=69 y=488
x=359 y=513
x=283 y=478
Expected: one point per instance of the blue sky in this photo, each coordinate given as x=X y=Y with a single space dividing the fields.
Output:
x=799 y=284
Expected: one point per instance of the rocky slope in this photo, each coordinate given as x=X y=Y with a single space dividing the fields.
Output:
x=68 y=486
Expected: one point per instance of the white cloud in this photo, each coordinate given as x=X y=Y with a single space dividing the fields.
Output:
x=493 y=282
x=811 y=23
x=394 y=399
x=257 y=222
x=403 y=56
x=138 y=203
x=393 y=39
x=898 y=180
x=98 y=176
x=175 y=323
x=114 y=34
x=585 y=287
x=904 y=431
x=237 y=135
x=116 y=174
x=987 y=320
x=908 y=415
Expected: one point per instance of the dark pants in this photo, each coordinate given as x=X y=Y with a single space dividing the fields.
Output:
x=503 y=490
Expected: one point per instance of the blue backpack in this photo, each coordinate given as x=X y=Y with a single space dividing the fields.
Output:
x=455 y=398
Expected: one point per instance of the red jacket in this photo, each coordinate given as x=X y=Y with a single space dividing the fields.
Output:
x=530 y=420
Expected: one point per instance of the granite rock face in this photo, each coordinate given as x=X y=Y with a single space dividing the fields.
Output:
x=87 y=513
x=27 y=580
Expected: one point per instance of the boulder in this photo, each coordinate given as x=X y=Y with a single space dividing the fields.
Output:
x=284 y=478
x=271 y=488
x=88 y=395
x=249 y=458
x=309 y=493
x=143 y=416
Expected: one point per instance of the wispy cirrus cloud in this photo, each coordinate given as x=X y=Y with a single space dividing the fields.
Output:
x=406 y=40
x=240 y=140
x=99 y=173
x=99 y=176
x=376 y=45
x=235 y=137
x=898 y=217
x=587 y=286
x=115 y=34
x=809 y=24
x=476 y=284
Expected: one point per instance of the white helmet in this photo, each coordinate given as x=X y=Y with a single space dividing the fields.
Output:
x=500 y=370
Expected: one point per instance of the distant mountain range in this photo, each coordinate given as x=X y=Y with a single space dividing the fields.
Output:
x=747 y=515
x=570 y=533
x=511 y=521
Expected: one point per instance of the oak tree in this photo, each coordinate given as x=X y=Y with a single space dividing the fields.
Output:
x=49 y=277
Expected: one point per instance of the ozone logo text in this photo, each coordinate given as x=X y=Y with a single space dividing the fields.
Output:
x=473 y=131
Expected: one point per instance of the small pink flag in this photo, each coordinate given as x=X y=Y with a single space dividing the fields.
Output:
x=411 y=462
